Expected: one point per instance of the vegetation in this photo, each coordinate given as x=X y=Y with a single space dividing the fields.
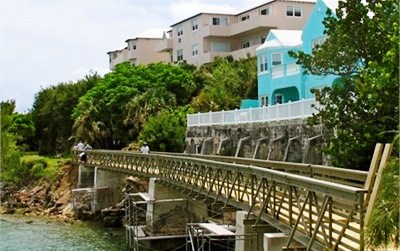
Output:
x=52 y=111
x=225 y=83
x=383 y=229
x=363 y=48
x=10 y=155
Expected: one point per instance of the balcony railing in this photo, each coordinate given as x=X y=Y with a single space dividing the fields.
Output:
x=292 y=110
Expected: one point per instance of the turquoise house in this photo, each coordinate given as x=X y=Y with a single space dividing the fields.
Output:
x=280 y=79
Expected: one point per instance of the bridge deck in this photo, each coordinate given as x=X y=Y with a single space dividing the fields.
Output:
x=320 y=207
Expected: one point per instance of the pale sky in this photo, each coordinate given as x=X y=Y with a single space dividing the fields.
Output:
x=46 y=42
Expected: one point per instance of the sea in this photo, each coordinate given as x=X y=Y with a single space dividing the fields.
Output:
x=22 y=233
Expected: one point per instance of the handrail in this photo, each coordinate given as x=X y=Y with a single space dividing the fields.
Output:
x=335 y=174
x=318 y=213
x=287 y=111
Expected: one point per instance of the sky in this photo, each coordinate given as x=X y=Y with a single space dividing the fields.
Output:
x=47 y=42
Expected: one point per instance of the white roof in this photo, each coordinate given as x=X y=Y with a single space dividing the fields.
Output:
x=283 y=38
x=332 y=4
x=151 y=33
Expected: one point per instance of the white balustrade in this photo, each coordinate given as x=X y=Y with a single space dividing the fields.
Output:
x=292 y=110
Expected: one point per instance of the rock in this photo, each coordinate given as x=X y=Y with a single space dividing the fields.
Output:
x=112 y=221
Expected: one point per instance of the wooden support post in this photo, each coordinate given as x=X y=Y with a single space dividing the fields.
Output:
x=382 y=165
x=373 y=170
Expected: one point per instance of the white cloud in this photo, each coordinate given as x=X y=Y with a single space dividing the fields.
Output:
x=46 y=42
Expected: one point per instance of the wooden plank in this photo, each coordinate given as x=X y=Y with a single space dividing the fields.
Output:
x=382 y=165
x=216 y=229
x=372 y=170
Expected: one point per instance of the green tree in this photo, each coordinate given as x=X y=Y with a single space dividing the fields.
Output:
x=224 y=83
x=362 y=47
x=126 y=98
x=10 y=155
x=383 y=229
x=24 y=130
x=166 y=131
x=51 y=113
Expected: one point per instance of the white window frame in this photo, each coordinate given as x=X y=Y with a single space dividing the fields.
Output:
x=273 y=61
x=267 y=11
x=222 y=21
x=179 y=31
x=216 y=23
x=294 y=11
x=244 y=17
x=263 y=64
x=245 y=44
x=281 y=98
x=195 y=24
x=179 y=55
x=264 y=101
x=195 y=50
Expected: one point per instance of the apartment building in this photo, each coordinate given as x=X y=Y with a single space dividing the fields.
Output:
x=140 y=50
x=200 y=38
x=280 y=79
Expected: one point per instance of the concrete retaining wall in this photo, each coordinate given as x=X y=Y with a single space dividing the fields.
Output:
x=292 y=141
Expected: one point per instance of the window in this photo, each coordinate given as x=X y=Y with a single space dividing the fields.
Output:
x=263 y=64
x=264 y=12
x=180 y=31
x=195 y=25
x=293 y=11
x=245 y=44
x=134 y=47
x=220 y=47
x=262 y=39
x=220 y=21
x=244 y=17
x=195 y=50
x=278 y=98
x=276 y=58
x=216 y=21
x=264 y=101
x=179 y=54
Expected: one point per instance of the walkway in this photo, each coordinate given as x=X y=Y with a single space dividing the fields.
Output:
x=318 y=206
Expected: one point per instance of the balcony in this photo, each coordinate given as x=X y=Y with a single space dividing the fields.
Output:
x=214 y=31
x=252 y=24
x=242 y=53
x=279 y=71
x=164 y=45
x=209 y=56
x=122 y=56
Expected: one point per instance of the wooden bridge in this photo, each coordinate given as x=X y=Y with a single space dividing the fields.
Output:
x=323 y=208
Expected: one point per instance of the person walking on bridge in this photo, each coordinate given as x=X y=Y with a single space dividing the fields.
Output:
x=145 y=148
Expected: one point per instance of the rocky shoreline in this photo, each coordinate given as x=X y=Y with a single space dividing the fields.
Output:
x=49 y=199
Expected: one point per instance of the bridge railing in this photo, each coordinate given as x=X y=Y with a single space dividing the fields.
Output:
x=319 y=214
x=291 y=110
x=339 y=175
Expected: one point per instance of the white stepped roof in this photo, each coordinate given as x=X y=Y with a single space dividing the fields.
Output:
x=332 y=4
x=283 y=38
x=152 y=33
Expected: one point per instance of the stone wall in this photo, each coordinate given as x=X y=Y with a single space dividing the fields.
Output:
x=292 y=141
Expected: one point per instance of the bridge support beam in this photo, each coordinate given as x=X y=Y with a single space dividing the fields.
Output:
x=108 y=186
x=246 y=239
x=85 y=177
x=168 y=209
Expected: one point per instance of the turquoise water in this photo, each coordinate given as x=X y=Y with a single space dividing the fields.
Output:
x=44 y=235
